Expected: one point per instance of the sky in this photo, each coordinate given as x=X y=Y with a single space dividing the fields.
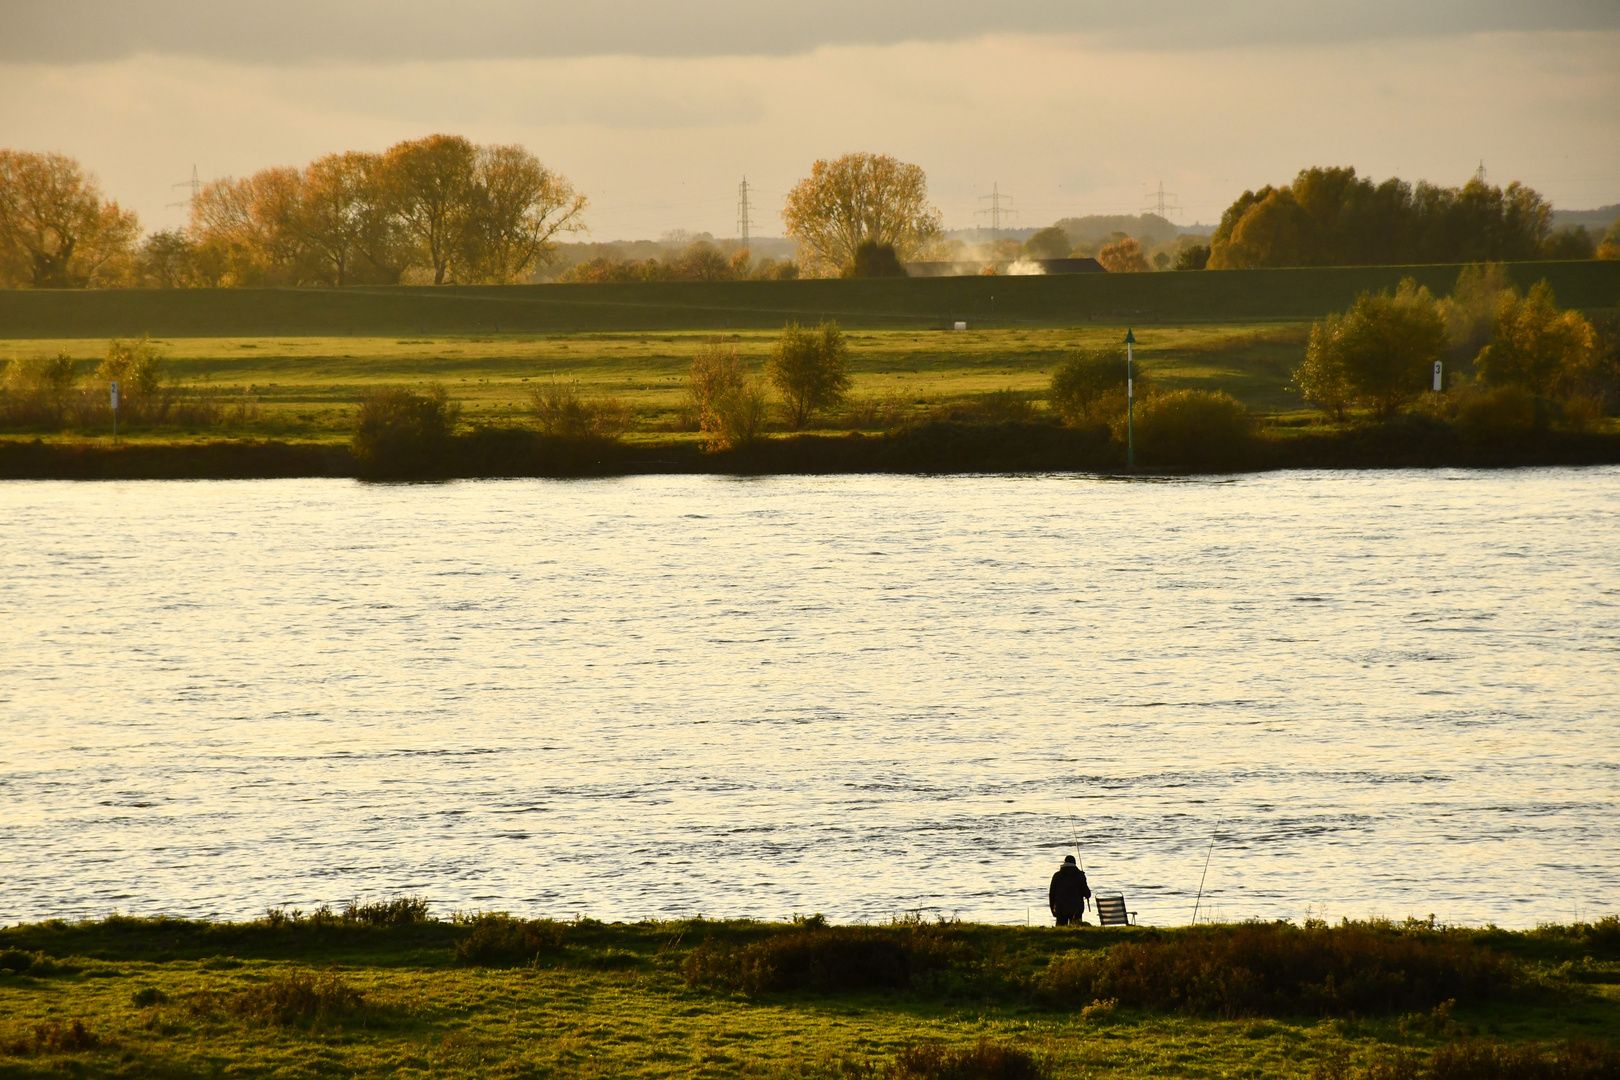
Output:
x=657 y=110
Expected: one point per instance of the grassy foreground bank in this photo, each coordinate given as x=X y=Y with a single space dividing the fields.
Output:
x=383 y=990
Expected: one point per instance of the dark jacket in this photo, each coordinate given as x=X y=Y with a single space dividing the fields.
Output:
x=1069 y=891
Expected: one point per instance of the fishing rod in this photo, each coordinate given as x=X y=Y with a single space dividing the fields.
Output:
x=1205 y=874
x=1075 y=835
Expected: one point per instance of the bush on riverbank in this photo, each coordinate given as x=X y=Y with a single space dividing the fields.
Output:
x=828 y=959
x=400 y=433
x=1191 y=429
x=498 y=940
x=1278 y=968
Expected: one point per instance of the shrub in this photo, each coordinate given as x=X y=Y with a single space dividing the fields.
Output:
x=729 y=402
x=138 y=367
x=888 y=411
x=56 y=1038
x=1191 y=427
x=1498 y=415
x=148 y=995
x=498 y=940
x=39 y=391
x=828 y=959
x=301 y=995
x=560 y=410
x=873 y=259
x=995 y=407
x=1089 y=387
x=399 y=432
x=1536 y=345
x=984 y=1061
x=16 y=961
x=810 y=368
x=1494 y=1061
x=1279 y=968
x=400 y=911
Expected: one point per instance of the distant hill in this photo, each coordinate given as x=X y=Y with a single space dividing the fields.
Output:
x=1147 y=228
x=1599 y=219
x=1093 y=229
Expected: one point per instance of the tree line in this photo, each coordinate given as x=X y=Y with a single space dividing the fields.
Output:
x=443 y=210
x=436 y=210
x=1332 y=217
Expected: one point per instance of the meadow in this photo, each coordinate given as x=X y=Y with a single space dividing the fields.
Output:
x=304 y=388
x=386 y=990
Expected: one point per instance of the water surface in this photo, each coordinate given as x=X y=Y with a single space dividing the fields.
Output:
x=1379 y=692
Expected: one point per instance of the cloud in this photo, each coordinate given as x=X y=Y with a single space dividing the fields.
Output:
x=1064 y=125
x=304 y=31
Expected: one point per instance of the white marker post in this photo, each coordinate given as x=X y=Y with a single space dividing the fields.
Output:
x=1438 y=382
x=115 y=411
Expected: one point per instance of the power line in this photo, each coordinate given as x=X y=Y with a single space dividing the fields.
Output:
x=195 y=184
x=996 y=210
x=742 y=211
x=1162 y=203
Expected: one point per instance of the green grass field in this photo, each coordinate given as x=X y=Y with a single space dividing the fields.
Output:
x=1072 y=300
x=177 y=999
x=304 y=388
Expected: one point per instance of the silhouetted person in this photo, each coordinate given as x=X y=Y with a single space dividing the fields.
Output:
x=1069 y=892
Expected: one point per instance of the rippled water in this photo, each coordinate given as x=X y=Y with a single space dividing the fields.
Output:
x=1383 y=693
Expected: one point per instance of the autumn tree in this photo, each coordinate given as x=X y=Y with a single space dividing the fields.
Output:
x=1535 y=344
x=810 y=368
x=1379 y=352
x=1050 y=243
x=431 y=186
x=56 y=229
x=1123 y=257
x=250 y=229
x=858 y=198
x=519 y=205
x=344 y=220
x=729 y=401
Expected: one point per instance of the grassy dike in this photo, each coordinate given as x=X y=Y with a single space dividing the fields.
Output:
x=883 y=303
x=383 y=990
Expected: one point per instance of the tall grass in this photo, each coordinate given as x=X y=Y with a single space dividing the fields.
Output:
x=297 y=996
x=828 y=959
x=984 y=1061
x=560 y=410
x=1278 y=968
x=498 y=940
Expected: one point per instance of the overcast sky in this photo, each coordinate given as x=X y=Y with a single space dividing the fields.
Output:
x=657 y=110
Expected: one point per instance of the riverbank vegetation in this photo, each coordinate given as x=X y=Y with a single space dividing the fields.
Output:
x=1526 y=382
x=387 y=989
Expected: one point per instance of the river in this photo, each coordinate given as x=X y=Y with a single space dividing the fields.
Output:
x=1353 y=693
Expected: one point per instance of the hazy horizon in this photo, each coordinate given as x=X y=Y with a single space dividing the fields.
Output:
x=657 y=115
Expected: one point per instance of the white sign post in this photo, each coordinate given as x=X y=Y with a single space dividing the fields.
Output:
x=115 y=411
x=1437 y=379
